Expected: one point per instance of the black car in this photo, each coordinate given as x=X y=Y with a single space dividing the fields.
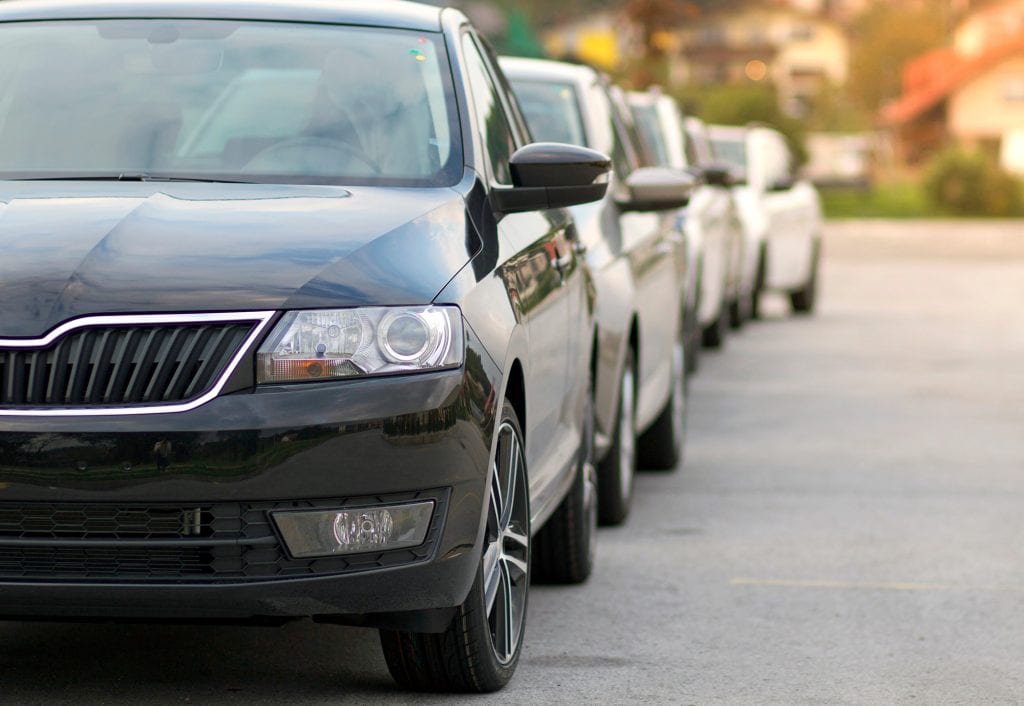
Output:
x=292 y=325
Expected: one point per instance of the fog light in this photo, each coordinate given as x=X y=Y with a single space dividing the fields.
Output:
x=309 y=533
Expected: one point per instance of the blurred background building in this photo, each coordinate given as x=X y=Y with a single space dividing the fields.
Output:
x=866 y=91
x=969 y=91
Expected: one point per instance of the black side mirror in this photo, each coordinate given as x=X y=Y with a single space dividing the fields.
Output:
x=553 y=175
x=658 y=189
x=719 y=174
x=783 y=183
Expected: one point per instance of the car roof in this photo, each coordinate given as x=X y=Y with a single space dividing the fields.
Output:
x=546 y=70
x=727 y=132
x=646 y=98
x=371 y=13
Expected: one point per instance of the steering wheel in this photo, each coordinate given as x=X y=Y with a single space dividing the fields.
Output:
x=317 y=154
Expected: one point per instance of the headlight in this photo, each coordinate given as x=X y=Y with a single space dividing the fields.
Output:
x=340 y=343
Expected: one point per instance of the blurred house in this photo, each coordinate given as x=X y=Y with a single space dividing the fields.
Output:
x=800 y=51
x=971 y=92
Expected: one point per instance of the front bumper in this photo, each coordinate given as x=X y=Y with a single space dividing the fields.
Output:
x=351 y=443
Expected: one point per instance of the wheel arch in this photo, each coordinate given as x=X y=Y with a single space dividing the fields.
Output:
x=515 y=392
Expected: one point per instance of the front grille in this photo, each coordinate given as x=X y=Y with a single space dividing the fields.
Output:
x=121 y=365
x=223 y=542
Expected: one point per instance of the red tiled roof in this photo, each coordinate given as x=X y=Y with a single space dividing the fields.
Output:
x=929 y=79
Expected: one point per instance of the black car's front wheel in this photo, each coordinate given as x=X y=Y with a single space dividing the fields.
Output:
x=480 y=649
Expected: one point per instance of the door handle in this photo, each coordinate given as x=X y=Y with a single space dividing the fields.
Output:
x=562 y=262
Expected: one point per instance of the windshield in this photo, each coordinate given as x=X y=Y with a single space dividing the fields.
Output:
x=225 y=100
x=732 y=151
x=552 y=111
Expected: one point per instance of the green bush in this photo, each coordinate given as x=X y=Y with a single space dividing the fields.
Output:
x=971 y=184
x=886 y=199
x=741 y=104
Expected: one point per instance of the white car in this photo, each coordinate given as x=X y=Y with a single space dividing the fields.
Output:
x=780 y=212
x=709 y=221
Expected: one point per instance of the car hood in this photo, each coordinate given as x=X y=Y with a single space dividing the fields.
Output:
x=77 y=248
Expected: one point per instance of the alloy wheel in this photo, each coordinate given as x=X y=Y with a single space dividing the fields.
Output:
x=507 y=552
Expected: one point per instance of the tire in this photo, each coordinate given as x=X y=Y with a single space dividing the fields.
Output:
x=615 y=474
x=563 y=550
x=663 y=445
x=713 y=336
x=692 y=337
x=480 y=649
x=759 y=276
x=803 y=299
x=739 y=311
x=691 y=326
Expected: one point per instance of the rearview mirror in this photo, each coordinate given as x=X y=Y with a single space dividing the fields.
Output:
x=658 y=189
x=553 y=175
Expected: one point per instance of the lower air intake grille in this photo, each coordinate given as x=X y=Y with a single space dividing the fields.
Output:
x=223 y=542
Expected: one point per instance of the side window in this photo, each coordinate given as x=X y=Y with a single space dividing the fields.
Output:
x=492 y=121
x=624 y=157
x=692 y=155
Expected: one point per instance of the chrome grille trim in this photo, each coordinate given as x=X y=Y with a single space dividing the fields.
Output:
x=261 y=318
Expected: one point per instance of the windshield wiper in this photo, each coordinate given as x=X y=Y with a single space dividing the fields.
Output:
x=131 y=176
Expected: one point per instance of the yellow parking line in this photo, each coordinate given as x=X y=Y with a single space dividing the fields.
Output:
x=870 y=585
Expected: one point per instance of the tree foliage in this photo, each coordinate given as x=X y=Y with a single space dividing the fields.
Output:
x=885 y=37
x=741 y=104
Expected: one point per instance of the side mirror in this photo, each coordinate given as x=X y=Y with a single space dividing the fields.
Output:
x=553 y=175
x=658 y=189
x=719 y=174
x=783 y=183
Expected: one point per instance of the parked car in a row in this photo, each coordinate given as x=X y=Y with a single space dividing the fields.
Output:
x=777 y=208
x=709 y=221
x=308 y=314
x=293 y=324
x=638 y=262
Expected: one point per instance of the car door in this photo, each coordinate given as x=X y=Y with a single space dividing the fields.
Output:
x=548 y=285
x=651 y=244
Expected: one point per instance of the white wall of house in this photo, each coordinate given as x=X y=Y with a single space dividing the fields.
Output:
x=991 y=104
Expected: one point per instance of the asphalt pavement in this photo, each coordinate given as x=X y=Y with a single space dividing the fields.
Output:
x=847 y=527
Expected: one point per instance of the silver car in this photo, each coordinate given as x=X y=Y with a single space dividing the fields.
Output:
x=638 y=261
